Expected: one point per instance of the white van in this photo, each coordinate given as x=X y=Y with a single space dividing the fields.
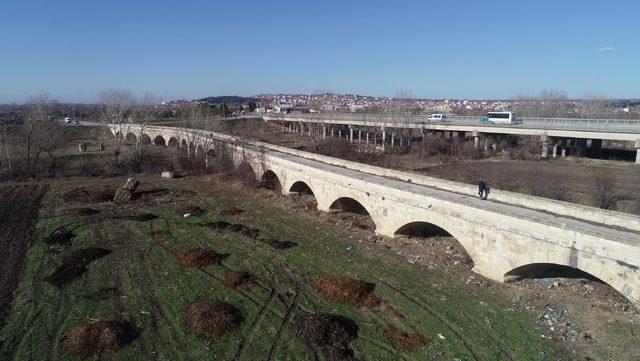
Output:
x=438 y=118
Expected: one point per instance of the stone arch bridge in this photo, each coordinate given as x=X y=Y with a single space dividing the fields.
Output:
x=502 y=238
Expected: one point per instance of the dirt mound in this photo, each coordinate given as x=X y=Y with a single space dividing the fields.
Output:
x=347 y=290
x=81 y=211
x=75 y=264
x=143 y=217
x=83 y=195
x=190 y=209
x=236 y=279
x=102 y=337
x=402 y=340
x=231 y=211
x=245 y=230
x=212 y=319
x=279 y=244
x=329 y=334
x=197 y=258
x=60 y=237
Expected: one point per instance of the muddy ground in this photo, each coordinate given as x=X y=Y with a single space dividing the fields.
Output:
x=18 y=209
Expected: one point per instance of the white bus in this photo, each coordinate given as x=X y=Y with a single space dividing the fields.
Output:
x=502 y=118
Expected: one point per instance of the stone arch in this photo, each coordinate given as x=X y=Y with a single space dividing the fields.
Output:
x=246 y=172
x=159 y=140
x=271 y=181
x=301 y=187
x=421 y=229
x=606 y=274
x=356 y=206
x=145 y=139
x=429 y=230
x=433 y=224
x=348 y=204
x=173 y=142
x=131 y=138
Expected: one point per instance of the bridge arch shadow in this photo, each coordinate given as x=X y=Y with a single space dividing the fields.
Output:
x=448 y=248
x=354 y=211
x=302 y=189
x=173 y=142
x=145 y=139
x=271 y=181
x=533 y=271
x=159 y=140
x=349 y=205
x=131 y=138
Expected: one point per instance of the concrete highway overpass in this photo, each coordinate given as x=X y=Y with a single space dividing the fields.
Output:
x=508 y=234
x=560 y=136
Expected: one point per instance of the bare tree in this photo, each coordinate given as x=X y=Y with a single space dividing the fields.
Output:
x=593 y=106
x=116 y=106
x=604 y=191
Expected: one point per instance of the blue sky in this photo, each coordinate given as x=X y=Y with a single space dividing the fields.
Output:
x=432 y=49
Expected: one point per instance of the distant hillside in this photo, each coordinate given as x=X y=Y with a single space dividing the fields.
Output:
x=229 y=99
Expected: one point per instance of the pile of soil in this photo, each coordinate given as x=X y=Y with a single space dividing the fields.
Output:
x=143 y=217
x=190 y=209
x=249 y=232
x=75 y=264
x=245 y=230
x=347 y=290
x=96 y=338
x=197 y=258
x=83 y=195
x=212 y=319
x=60 y=237
x=232 y=211
x=279 y=244
x=81 y=211
x=402 y=340
x=236 y=279
x=329 y=334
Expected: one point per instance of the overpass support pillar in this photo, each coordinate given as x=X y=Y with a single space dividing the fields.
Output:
x=332 y=130
x=359 y=135
x=310 y=127
x=545 y=146
x=339 y=133
x=384 y=137
x=637 y=145
x=554 y=152
x=393 y=138
x=476 y=139
x=350 y=135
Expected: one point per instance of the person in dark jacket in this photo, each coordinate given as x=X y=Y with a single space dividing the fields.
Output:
x=482 y=189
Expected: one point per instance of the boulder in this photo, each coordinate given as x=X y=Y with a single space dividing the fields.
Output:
x=127 y=191
x=168 y=175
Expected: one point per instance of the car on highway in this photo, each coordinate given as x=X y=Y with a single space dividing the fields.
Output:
x=438 y=118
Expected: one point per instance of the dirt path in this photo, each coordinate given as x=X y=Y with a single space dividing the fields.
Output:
x=18 y=208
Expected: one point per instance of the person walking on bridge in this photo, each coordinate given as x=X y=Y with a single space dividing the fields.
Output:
x=483 y=190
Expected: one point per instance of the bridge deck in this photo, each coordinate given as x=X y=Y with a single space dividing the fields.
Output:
x=570 y=224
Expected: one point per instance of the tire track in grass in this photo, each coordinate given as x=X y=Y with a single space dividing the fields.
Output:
x=261 y=313
x=283 y=325
x=468 y=344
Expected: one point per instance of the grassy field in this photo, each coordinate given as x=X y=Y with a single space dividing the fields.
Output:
x=141 y=282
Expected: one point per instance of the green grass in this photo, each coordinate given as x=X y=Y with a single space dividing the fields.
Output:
x=154 y=290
